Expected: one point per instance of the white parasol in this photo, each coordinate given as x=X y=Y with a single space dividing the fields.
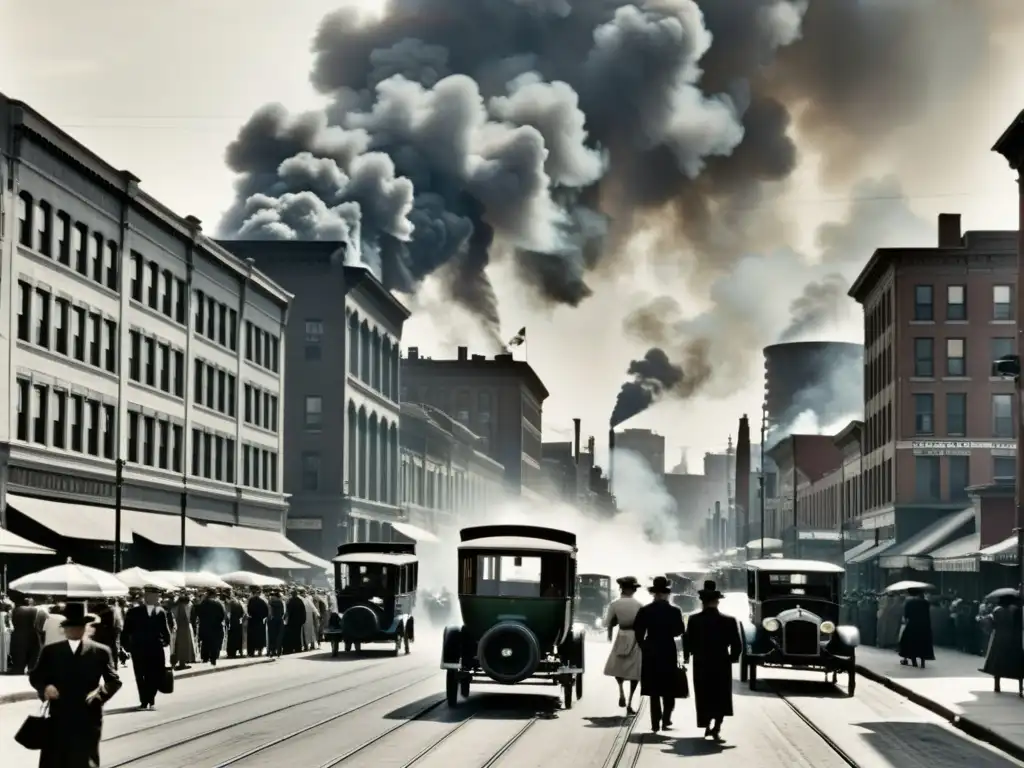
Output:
x=13 y=544
x=191 y=579
x=72 y=581
x=250 y=579
x=140 y=578
x=903 y=586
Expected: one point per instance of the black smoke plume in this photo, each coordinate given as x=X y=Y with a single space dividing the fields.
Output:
x=653 y=377
x=460 y=130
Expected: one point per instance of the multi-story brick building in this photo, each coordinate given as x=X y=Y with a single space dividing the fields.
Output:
x=128 y=339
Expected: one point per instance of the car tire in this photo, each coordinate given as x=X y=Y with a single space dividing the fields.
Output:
x=334 y=648
x=744 y=671
x=451 y=688
x=516 y=633
x=851 y=679
x=464 y=686
x=567 y=694
x=752 y=675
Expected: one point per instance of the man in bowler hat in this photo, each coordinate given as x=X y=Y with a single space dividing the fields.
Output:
x=76 y=678
x=146 y=633
x=713 y=640
x=656 y=627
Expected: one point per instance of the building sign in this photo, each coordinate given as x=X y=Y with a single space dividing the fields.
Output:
x=60 y=484
x=959 y=447
x=305 y=524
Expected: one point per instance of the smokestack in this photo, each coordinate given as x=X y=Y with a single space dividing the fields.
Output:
x=576 y=439
x=414 y=353
x=716 y=528
x=463 y=354
x=743 y=482
x=611 y=459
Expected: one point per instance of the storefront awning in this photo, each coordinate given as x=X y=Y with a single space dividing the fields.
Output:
x=415 y=533
x=71 y=521
x=313 y=560
x=768 y=543
x=834 y=536
x=13 y=544
x=930 y=538
x=244 y=537
x=165 y=529
x=1003 y=552
x=870 y=554
x=275 y=561
x=862 y=547
x=959 y=556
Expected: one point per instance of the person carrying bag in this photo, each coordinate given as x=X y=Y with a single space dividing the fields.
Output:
x=37 y=730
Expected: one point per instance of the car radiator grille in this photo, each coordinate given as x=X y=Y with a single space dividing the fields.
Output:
x=800 y=638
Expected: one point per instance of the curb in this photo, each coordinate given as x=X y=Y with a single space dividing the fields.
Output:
x=11 y=698
x=971 y=727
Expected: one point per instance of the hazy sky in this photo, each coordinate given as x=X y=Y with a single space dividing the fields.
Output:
x=161 y=89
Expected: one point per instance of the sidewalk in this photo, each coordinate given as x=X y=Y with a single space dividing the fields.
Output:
x=16 y=688
x=953 y=688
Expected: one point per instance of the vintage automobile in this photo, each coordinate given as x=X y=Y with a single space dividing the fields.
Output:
x=794 y=620
x=376 y=588
x=593 y=594
x=684 y=590
x=517 y=587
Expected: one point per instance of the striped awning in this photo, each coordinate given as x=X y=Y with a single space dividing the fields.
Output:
x=1003 y=552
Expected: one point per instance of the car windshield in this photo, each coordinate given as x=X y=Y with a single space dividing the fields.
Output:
x=368 y=578
x=819 y=586
x=509 y=576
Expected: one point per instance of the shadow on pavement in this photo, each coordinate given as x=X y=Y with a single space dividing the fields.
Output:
x=607 y=721
x=343 y=658
x=905 y=743
x=789 y=687
x=483 y=706
x=692 y=746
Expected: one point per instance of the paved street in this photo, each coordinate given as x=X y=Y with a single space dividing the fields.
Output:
x=382 y=711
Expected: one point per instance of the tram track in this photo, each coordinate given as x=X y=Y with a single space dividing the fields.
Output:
x=239 y=758
x=839 y=752
x=620 y=756
x=276 y=694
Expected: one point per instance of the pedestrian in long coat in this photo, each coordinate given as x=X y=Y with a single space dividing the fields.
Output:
x=915 y=640
x=624 y=658
x=275 y=624
x=713 y=640
x=258 y=612
x=25 y=640
x=656 y=626
x=76 y=677
x=146 y=633
x=323 y=612
x=310 y=627
x=211 y=615
x=235 y=620
x=295 y=617
x=184 y=646
x=1005 y=657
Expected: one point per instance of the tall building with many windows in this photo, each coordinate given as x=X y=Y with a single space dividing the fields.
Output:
x=128 y=336
x=936 y=421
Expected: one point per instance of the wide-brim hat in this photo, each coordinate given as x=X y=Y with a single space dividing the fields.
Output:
x=710 y=592
x=152 y=589
x=660 y=586
x=628 y=582
x=75 y=615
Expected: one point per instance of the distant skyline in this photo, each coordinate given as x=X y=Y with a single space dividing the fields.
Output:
x=161 y=89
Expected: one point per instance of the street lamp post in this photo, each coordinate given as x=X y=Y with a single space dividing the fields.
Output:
x=761 y=475
x=118 y=489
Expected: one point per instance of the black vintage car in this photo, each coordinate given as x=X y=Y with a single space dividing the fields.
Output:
x=794 y=620
x=376 y=588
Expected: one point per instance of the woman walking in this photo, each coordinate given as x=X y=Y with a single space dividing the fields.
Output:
x=624 y=659
x=1004 y=656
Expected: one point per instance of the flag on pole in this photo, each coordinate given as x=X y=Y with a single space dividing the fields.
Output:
x=519 y=339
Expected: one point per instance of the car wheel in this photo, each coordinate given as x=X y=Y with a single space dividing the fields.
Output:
x=743 y=669
x=567 y=698
x=752 y=675
x=406 y=642
x=851 y=680
x=579 y=687
x=464 y=687
x=334 y=648
x=451 y=688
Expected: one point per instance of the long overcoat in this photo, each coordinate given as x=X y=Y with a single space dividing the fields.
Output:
x=713 y=640
x=1005 y=657
x=235 y=620
x=78 y=725
x=184 y=646
x=258 y=612
x=656 y=627
x=916 y=634
x=25 y=642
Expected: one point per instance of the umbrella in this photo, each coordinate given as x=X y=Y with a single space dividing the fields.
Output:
x=191 y=579
x=903 y=586
x=71 y=581
x=140 y=578
x=1002 y=592
x=250 y=579
x=13 y=544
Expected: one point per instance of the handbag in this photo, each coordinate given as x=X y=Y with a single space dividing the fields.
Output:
x=681 y=689
x=37 y=731
x=166 y=682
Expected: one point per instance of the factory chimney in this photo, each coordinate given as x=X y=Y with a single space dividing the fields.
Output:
x=743 y=483
x=611 y=459
x=716 y=529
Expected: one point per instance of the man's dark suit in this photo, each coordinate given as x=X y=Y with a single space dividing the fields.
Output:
x=145 y=636
x=77 y=723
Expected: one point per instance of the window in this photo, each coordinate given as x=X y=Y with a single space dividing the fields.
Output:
x=1002 y=302
x=24 y=406
x=135 y=355
x=232 y=389
x=95 y=339
x=959 y=477
x=44 y=228
x=314 y=411
x=956 y=302
x=168 y=292
x=41 y=396
x=112 y=265
x=249 y=332
x=211 y=385
x=78 y=341
x=230 y=458
x=62 y=316
x=109 y=416
x=77 y=422
x=133 y=437
x=924 y=357
x=927 y=481
x=24 y=311
x=956 y=357
x=164 y=438
x=314 y=336
x=1002 y=416
x=200 y=312
x=956 y=414
x=179 y=373
x=148 y=440
x=197 y=382
x=180 y=293
x=25 y=219
x=923 y=303
x=924 y=414
x=178 y=435
x=232 y=333
x=63 y=238
x=248 y=403
x=1004 y=467
x=92 y=443
x=97 y=252
x=153 y=299
x=41 y=316
x=60 y=419
x=211 y=319
x=165 y=368
x=197 y=449
x=310 y=471
x=207 y=455
x=151 y=362
x=110 y=363
x=222 y=325
x=222 y=391
x=1002 y=347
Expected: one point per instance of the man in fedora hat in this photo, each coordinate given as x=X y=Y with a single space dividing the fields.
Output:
x=713 y=640
x=624 y=658
x=76 y=678
x=146 y=633
x=657 y=625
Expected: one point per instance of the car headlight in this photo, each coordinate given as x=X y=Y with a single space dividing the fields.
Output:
x=828 y=627
x=771 y=624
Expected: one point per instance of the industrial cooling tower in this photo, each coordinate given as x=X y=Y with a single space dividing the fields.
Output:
x=823 y=377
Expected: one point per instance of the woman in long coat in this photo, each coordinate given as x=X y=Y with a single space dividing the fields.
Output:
x=624 y=659
x=656 y=626
x=1005 y=657
x=915 y=639
x=713 y=640
x=184 y=643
